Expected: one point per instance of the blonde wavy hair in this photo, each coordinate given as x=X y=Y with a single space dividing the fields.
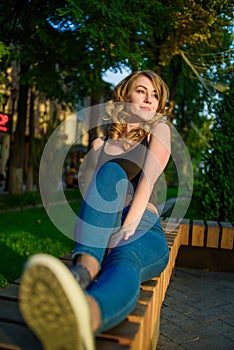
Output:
x=117 y=114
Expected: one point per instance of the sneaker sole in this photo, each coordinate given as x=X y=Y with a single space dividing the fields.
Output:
x=54 y=306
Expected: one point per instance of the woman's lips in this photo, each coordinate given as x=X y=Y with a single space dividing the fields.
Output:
x=145 y=108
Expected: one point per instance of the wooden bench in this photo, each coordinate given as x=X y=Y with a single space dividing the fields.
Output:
x=140 y=330
x=209 y=234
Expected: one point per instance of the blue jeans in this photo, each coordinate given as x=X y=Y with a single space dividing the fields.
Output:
x=125 y=267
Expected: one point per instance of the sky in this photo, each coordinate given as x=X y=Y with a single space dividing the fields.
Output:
x=115 y=78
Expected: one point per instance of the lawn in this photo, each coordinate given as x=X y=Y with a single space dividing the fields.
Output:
x=28 y=231
x=27 y=199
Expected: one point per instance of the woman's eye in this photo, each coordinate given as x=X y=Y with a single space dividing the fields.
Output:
x=141 y=91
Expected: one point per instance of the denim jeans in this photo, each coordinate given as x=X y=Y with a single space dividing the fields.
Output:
x=125 y=267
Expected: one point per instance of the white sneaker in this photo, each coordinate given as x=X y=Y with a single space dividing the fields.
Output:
x=54 y=305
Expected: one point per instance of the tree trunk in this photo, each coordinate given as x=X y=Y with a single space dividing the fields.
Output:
x=30 y=163
x=176 y=64
x=17 y=155
x=93 y=132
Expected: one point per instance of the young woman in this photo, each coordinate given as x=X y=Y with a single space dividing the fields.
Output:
x=119 y=240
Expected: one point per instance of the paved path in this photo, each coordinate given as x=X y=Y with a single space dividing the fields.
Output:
x=198 y=311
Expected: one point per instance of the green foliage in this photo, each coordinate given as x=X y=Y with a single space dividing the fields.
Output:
x=4 y=54
x=217 y=180
x=67 y=45
x=4 y=50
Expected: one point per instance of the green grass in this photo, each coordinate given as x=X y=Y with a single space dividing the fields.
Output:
x=30 y=199
x=24 y=233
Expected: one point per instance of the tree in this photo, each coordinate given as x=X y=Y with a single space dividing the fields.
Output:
x=63 y=63
x=19 y=27
x=217 y=181
x=67 y=45
x=4 y=54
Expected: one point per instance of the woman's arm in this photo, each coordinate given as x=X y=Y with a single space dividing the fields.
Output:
x=156 y=160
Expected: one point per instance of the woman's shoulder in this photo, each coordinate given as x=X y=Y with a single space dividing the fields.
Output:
x=162 y=124
x=161 y=129
x=98 y=142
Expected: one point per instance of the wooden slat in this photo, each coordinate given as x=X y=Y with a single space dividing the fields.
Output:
x=10 y=292
x=227 y=235
x=146 y=298
x=151 y=286
x=18 y=336
x=198 y=233
x=139 y=315
x=4 y=346
x=67 y=256
x=9 y=312
x=155 y=337
x=184 y=228
x=105 y=344
x=212 y=240
x=169 y=226
x=126 y=333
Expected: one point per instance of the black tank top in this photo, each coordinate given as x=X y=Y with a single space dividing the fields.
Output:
x=131 y=162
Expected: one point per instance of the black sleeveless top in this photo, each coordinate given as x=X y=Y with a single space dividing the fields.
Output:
x=131 y=162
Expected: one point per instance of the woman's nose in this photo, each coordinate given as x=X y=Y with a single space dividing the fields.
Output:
x=148 y=98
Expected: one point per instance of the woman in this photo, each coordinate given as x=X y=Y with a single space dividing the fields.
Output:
x=119 y=240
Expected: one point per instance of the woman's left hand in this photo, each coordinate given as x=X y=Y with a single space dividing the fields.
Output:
x=122 y=234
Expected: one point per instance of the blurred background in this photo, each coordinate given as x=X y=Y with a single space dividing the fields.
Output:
x=57 y=58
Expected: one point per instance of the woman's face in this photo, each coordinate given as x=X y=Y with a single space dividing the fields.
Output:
x=144 y=99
